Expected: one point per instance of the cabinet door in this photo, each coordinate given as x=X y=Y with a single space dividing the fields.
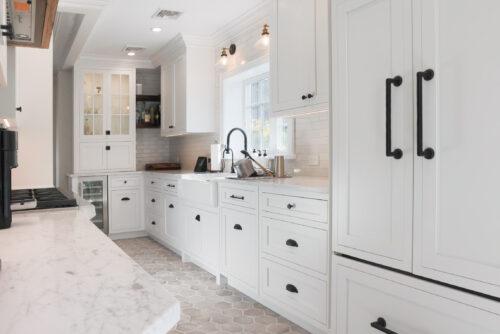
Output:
x=92 y=157
x=174 y=228
x=92 y=105
x=194 y=231
x=457 y=210
x=121 y=118
x=293 y=63
x=180 y=106
x=373 y=193
x=167 y=100
x=120 y=155
x=3 y=45
x=125 y=211
x=240 y=240
x=211 y=237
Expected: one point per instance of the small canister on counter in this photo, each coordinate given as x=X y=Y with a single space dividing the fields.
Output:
x=279 y=166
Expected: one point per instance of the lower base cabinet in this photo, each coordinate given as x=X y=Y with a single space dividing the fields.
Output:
x=125 y=211
x=241 y=255
x=202 y=236
x=375 y=300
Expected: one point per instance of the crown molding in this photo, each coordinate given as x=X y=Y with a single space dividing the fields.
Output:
x=100 y=61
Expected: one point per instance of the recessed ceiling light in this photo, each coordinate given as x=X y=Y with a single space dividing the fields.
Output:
x=131 y=53
x=156 y=29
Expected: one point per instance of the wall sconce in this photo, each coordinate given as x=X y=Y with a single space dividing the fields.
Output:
x=263 y=42
x=223 y=57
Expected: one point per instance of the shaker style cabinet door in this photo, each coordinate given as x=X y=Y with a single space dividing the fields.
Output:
x=373 y=130
x=457 y=211
x=299 y=56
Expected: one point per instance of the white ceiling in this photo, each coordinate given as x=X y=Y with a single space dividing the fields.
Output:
x=129 y=22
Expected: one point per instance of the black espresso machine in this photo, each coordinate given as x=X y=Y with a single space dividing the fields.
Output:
x=8 y=160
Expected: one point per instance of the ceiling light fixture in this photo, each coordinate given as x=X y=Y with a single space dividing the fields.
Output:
x=263 y=42
x=224 y=57
x=156 y=29
x=131 y=53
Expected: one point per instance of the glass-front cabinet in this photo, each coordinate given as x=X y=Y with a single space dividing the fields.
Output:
x=108 y=104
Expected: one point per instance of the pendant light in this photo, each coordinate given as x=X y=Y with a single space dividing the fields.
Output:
x=263 y=42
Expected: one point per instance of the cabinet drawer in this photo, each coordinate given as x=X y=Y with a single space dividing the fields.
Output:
x=154 y=202
x=363 y=298
x=295 y=291
x=299 y=207
x=244 y=197
x=152 y=182
x=125 y=181
x=125 y=211
x=303 y=245
x=170 y=186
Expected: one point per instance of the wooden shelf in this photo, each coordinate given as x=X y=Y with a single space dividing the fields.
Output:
x=147 y=126
x=149 y=98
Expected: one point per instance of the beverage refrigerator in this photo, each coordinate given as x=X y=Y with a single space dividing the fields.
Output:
x=95 y=191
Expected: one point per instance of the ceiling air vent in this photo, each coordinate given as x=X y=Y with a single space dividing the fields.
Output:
x=166 y=14
x=134 y=49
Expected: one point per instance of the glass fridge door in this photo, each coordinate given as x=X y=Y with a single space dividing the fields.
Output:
x=95 y=192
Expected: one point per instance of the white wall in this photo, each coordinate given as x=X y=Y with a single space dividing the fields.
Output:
x=35 y=122
x=63 y=128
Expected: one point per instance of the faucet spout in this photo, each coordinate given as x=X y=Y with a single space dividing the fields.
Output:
x=229 y=138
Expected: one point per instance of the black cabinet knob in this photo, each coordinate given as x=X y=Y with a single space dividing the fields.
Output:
x=108 y=148
x=153 y=201
x=170 y=126
x=20 y=109
x=198 y=218
x=310 y=96
x=153 y=223
x=304 y=97
x=125 y=182
x=108 y=132
x=290 y=206
x=292 y=288
x=171 y=206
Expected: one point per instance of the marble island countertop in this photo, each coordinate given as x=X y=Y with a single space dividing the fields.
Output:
x=60 y=274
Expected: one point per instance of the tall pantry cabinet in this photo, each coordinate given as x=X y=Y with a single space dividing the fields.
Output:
x=104 y=119
x=415 y=137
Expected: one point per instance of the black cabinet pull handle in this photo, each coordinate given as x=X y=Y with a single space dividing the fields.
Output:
x=125 y=182
x=310 y=96
x=237 y=197
x=238 y=227
x=292 y=243
x=152 y=182
x=170 y=126
x=290 y=206
x=108 y=148
x=291 y=288
x=125 y=199
x=20 y=109
x=171 y=206
x=171 y=185
x=153 y=201
x=153 y=223
x=397 y=153
x=380 y=325
x=9 y=34
x=304 y=97
x=428 y=153
x=198 y=218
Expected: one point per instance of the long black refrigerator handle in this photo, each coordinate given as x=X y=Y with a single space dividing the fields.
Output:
x=428 y=153
x=397 y=153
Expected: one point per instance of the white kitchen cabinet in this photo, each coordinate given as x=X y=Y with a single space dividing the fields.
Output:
x=368 y=298
x=92 y=156
x=104 y=114
x=125 y=211
x=241 y=256
x=174 y=226
x=188 y=88
x=373 y=191
x=202 y=237
x=456 y=193
x=299 y=57
x=434 y=210
x=3 y=45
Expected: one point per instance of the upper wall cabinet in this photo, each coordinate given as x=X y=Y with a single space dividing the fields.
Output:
x=299 y=57
x=3 y=45
x=104 y=119
x=188 y=87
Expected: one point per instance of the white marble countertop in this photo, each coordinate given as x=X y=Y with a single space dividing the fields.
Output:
x=60 y=274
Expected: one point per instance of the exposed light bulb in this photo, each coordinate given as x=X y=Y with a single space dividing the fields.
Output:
x=223 y=60
x=263 y=42
x=156 y=29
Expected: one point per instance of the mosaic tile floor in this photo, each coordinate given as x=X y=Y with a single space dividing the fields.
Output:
x=206 y=306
